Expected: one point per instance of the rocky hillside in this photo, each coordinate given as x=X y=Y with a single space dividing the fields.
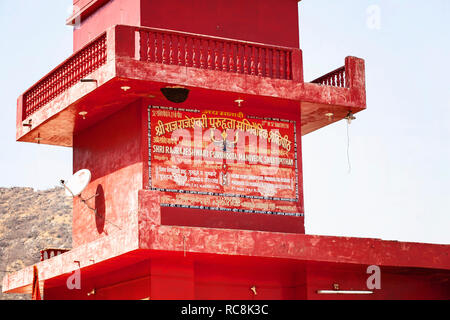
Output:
x=29 y=222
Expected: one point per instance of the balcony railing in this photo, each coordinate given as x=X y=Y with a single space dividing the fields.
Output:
x=166 y=47
x=336 y=78
x=65 y=76
x=213 y=53
x=50 y=253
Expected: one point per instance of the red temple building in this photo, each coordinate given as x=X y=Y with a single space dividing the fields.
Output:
x=190 y=117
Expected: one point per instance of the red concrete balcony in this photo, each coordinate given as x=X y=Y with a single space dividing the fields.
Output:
x=128 y=63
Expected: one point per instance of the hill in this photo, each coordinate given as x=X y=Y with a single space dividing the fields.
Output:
x=29 y=222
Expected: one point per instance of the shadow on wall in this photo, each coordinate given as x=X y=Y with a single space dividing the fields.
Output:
x=100 y=209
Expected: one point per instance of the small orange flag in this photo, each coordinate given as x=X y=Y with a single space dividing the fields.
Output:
x=35 y=292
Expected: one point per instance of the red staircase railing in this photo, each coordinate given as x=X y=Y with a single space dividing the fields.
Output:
x=336 y=78
x=214 y=53
x=65 y=76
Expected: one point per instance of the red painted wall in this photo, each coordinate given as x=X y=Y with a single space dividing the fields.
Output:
x=112 y=151
x=111 y=13
x=396 y=283
x=231 y=278
x=270 y=21
x=231 y=220
x=115 y=150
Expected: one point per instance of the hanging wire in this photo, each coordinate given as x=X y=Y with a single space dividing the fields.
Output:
x=349 y=118
x=348 y=148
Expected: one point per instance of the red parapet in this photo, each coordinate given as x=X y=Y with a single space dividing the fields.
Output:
x=145 y=58
x=51 y=252
x=336 y=78
x=166 y=47
x=214 y=53
x=79 y=65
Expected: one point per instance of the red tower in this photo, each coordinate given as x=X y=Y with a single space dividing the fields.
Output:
x=190 y=116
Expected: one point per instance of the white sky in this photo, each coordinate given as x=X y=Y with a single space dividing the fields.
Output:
x=399 y=186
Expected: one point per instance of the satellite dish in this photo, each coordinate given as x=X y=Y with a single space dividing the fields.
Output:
x=75 y=186
x=77 y=183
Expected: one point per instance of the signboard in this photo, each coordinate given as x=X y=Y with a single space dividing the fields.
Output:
x=219 y=160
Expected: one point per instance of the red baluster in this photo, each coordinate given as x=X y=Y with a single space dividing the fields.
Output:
x=70 y=73
x=260 y=72
x=61 y=79
x=35 y=101
x=288 y=65
x=344 y=75
x=171 y=49
x=163 y=47
x=51 y=88
x=76 y=68
x=56 y=80
x=252 y=61
x=194 y=53
x=266 y=64
x=85 y=63
x=238 y=58
x=202 y=55
x=231 y=57
x=186 y=53
x=97 y=49
x=155 y=49
x=65 y=75
x=89 y=60
x=209 y=55
x=179 y=51
x=38 y=96
x=274 y=63
x=216 y=56
x=245 y=60
x=148 y=46
x=223 y=63
x=281 y=64
x=50 y=93
x=84 y=54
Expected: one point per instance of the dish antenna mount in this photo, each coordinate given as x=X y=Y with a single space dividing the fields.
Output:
x=76 y=184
